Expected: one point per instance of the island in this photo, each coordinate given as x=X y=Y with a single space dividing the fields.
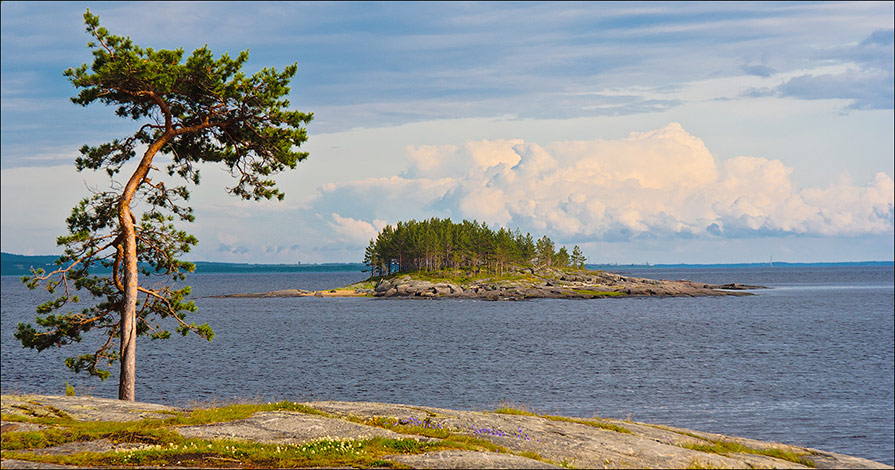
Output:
x=517 y=284
x=438 y=258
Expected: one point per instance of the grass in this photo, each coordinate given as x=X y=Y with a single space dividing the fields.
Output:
x=430 y=428
x=727 y=447
x=366 y=284
x=65 y=429
x=237 y=411
x=35 y=414
x=227 y=453
x=162 y=446
x=717 y=446
x=465 y=276
x=697 y=465
x=420 y=428
x=514 y=410
x=63 y=432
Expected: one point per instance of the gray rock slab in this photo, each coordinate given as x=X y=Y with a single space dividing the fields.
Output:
x=365 y=410
x=276 y=293
x=286 y=427
x=824 y=459
x=467 y=459
x=9 y=426
x=582 y=445
x=17 y=464
x=82 y=408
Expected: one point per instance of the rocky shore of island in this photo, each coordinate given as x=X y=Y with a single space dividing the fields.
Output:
x=554 y=284
x=35 y=427
x=520 y=284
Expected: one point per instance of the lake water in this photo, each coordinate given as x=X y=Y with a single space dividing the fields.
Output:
x=808 y=362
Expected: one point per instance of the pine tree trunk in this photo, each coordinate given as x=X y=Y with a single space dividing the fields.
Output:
x=128 y=356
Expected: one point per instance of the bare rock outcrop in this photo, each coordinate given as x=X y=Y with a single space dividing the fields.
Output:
x=519 y=284
x=82 y=408
x=524 y=440
x=593 y=443
x=550 y=283
x=283 y=427
x=405 y=286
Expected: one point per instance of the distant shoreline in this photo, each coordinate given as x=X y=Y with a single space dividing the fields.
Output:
x=775 y=264
x=18 y=265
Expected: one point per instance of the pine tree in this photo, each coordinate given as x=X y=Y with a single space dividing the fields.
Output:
x=578 y=258
x=199 y=110
x=544 y=251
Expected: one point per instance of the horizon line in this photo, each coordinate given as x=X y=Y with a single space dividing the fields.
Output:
x=644 y=264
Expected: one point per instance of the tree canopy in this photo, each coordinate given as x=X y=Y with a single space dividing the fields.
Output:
x=193 y=111
x=435 y=244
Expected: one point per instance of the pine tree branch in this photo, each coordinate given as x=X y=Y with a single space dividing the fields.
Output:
x=167 y=303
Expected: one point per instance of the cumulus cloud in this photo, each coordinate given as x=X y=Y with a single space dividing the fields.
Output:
x=354 y=231
x=451 y=161
x=660 y=183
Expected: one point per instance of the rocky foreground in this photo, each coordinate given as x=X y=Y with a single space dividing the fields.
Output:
x=528 y=283
x=520 y=440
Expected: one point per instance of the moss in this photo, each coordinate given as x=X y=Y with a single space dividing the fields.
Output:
x=459 y=276
x=727 y=447
x=717 y=446
x=237 y=411
x=365 y=284
x=696 y=464
x=448 y=438
x=599 y=293
x=511 y=410
x=64 y=431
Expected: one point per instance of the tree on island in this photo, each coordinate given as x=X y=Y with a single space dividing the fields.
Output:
x=577 y=258
x=435 y=244
x=197 y=111
x=544 y=251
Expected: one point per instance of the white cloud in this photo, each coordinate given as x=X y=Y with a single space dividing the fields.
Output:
x=659 y=183
x=353 y=231
x=854 y=210
x=487 y=153
x=658 y=159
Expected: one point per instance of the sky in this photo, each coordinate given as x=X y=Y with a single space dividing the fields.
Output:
x=651 y=132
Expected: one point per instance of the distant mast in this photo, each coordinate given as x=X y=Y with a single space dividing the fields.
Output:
x=771 y=262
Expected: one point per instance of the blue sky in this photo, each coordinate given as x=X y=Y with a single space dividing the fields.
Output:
x=643 y=132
